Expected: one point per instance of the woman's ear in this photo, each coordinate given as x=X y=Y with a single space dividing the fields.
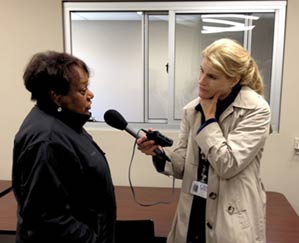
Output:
x=55 y=98
x=235 y=80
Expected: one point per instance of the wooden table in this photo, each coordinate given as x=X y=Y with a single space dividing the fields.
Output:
x=282 y=220
x=8 y=217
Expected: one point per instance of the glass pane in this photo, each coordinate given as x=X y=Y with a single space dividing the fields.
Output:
x=111 y=45
x=191 y=40
x=158 y=67
x=262 y=48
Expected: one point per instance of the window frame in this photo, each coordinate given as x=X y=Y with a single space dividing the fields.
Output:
x=201 y=7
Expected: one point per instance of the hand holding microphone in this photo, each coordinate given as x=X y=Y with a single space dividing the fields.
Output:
x=149 y=145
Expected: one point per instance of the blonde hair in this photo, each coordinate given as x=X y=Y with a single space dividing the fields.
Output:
x=233 y=60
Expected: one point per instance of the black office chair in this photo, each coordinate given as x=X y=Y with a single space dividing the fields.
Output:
x=131 y=231
x=160 y=239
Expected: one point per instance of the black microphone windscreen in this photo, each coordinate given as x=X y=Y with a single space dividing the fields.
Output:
x=115 y=119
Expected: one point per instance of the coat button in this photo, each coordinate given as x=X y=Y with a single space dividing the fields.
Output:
x=213 y=195
x=230 y=209
x=209 y=225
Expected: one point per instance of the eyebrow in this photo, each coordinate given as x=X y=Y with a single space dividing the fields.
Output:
x=84 y=82
x=213 y=72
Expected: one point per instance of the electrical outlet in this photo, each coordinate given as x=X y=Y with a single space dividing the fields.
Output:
x=296 y=144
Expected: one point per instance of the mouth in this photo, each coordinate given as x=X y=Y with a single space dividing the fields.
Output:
x=202 y=90
x=201 y=87
x=87 y=108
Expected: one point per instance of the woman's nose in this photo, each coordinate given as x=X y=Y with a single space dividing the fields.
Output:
x=201 y=79
x=90 y=94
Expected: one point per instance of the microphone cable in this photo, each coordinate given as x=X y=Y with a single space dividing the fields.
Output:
x=132 y=187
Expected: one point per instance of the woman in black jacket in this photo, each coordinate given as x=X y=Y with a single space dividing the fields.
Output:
x=61 y=178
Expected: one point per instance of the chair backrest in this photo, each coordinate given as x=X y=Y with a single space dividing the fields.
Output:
x=131 y=231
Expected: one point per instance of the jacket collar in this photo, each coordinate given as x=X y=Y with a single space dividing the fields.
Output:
x=72 y=119
x=244 y=100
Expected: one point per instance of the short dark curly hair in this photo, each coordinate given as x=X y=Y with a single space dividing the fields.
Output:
x=51 y=71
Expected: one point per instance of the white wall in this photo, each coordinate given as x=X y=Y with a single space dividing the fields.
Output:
x=26 y=27
x=36 y=25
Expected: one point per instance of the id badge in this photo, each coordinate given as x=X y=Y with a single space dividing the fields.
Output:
x=199 y=189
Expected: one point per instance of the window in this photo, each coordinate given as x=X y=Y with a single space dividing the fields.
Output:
x=145 y=56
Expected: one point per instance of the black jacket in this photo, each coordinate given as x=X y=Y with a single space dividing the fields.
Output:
x=61 y=181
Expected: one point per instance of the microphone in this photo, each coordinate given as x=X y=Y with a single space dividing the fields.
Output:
x=116 y=120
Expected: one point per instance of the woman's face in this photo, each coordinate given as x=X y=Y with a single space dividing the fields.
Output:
x=212 y=81
x=79 y=97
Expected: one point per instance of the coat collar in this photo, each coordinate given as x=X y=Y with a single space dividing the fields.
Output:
x=246 y=99
x=72 y=119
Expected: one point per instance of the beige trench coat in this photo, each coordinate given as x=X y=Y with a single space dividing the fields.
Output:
x=235 y=210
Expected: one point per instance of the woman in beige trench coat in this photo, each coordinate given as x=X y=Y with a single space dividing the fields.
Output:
x=219 y=151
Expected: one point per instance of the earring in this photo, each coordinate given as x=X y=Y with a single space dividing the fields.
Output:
x=59 y=109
